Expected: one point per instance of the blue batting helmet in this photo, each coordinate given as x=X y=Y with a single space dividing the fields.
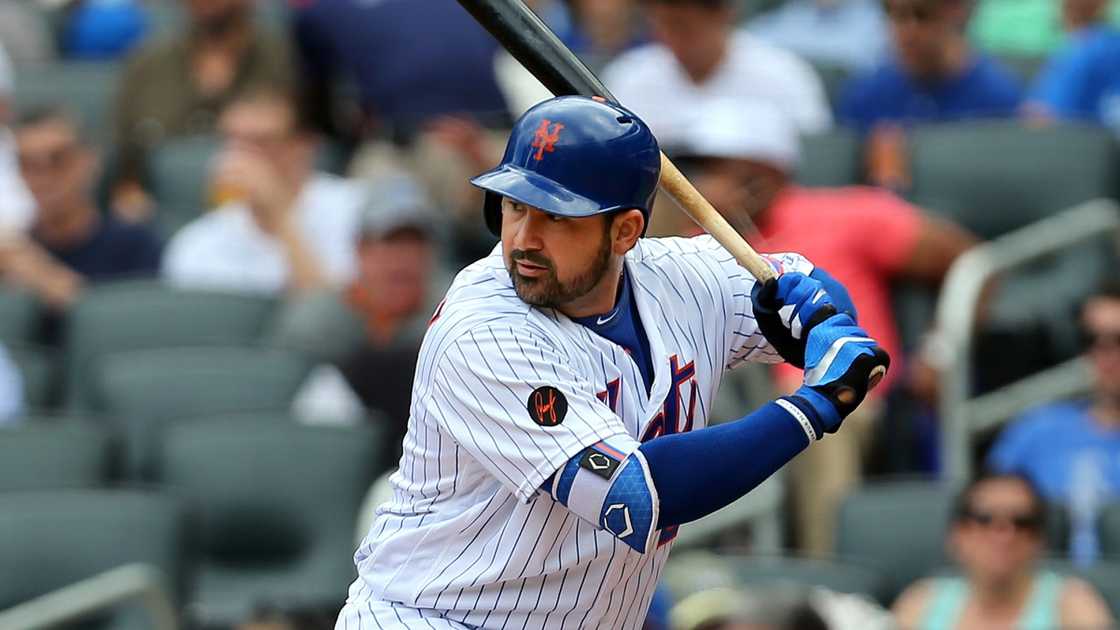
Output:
x=575 y=156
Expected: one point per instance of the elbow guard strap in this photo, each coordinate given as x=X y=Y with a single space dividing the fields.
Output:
x=614 y=490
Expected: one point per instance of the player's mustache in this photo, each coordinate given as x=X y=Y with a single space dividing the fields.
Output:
x=532 y=257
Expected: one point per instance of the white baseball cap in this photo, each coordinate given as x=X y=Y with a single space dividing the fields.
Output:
x=742 y=129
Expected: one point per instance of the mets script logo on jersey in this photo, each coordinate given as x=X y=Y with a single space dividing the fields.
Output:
x=546 y=137
x=547 y=406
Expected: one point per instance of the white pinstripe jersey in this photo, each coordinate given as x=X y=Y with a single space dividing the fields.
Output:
x=468 y=537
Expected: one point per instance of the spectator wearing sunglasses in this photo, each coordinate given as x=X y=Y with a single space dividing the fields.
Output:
x=1049 y=444
x=996 y=538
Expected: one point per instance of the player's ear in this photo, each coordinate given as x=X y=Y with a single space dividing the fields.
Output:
x=626 y=228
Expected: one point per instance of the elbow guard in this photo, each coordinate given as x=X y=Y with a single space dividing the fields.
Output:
x=614 y=490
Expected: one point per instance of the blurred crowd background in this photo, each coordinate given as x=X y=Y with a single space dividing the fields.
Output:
x=225 y=223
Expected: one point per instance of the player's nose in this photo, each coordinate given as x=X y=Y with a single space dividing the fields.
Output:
x=530 y=229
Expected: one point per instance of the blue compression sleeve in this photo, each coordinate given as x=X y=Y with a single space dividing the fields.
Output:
x=699 y=472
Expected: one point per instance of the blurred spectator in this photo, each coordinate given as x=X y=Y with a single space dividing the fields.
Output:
x=1047 y=443
x=409 y=66
x=70 y=242
x=280 y=225
x=371 y=330
x=103 y=29
x=177 y=87
x=785 y=607
x=11 y=390
x=996 y=536
x=24 y=32
x=935 y=76
x=16 y=207
x=602 y=29
x=700 y=54
x=742 y=156
x=1030 y=28
x=1082 y=80
x=851 y=34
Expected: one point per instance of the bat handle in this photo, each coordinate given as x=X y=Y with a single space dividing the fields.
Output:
x=696 y=206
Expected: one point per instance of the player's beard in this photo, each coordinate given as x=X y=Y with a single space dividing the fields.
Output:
x=548 y=291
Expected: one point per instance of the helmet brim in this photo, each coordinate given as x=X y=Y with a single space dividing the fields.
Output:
x=532 y=189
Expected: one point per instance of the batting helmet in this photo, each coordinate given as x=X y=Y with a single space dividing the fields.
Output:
x=575 y=156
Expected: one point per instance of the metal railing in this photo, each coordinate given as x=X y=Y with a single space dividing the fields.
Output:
x=962 y=414
x=138 y=582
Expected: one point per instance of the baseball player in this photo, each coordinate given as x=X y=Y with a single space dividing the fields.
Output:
x=557 y=436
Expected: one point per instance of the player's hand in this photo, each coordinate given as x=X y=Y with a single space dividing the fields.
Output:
x=787 y=308
x=842 y=364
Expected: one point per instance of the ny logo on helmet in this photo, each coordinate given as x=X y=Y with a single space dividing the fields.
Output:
x=545 y=140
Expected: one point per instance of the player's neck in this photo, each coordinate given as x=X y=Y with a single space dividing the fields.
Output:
x=600 y=299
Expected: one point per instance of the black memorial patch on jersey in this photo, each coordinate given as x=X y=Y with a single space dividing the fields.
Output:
x=547 y=406
x=599 y=463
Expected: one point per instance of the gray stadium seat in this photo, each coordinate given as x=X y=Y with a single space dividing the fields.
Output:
x=145 y=390
x=995 y=176
x=53 y=539
x=146 y=314
x=842 y=577
x=37 y=368
x=180 y=174
x=19 y=316
x=897 y=528
x=84 y=88
x=1109 y=528
x=834 y=76
x=1103 y=575
x=53 y=455
x=829 y=159
x=277 y=504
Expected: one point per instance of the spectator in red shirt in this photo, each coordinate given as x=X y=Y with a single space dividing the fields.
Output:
x=742 y=157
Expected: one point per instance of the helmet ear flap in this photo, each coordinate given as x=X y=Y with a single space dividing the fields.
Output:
x=492 y=212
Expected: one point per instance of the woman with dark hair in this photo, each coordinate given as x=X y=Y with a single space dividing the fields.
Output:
x=996 y=536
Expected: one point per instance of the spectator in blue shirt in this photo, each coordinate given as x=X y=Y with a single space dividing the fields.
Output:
x=70 y=243
x=1050 y=443
x=933 y=76
x=410 y=65
x=1081 y=81
x=850 y=34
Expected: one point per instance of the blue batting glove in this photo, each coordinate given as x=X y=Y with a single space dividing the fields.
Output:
x=842 y=364
x=787 y=308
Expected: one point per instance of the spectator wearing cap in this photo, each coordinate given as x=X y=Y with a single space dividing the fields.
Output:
x=177 y=86
x=849 y=34
x=742 y=156
x=70 y=242
x=1049 y=444
x=934 y=76
x=698 y=54
x=16 y=207
x=283 y=227
x=371 y=329
x=1081 y=81
x=997 y=538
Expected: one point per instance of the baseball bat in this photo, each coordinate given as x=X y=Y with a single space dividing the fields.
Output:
x=532 y=43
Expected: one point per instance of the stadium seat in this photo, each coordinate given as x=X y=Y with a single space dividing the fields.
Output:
x=53 y=539
x=1109 y=528
x=896 y=527
x=180 y=173
x=995 y=176
x=834 y=76
x=37 y=368
x=277 y=504
x=829 y=159
x=842 y=577
x=1103 y=575
x=85 y=88
x=19 y=316
x=146 y=314
x=53 y=455
x=145 y=390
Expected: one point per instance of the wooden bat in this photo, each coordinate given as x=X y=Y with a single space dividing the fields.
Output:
x=532 y=43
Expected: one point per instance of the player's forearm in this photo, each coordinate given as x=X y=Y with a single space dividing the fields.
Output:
x=699 y=472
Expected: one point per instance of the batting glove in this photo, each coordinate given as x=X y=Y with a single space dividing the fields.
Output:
x=842 y=363
x=787 y=308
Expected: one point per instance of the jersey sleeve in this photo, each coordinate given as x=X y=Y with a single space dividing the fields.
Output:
x=508 y=396
x=744 y=342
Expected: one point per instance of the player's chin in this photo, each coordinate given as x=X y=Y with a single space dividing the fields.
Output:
x=533 y=291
